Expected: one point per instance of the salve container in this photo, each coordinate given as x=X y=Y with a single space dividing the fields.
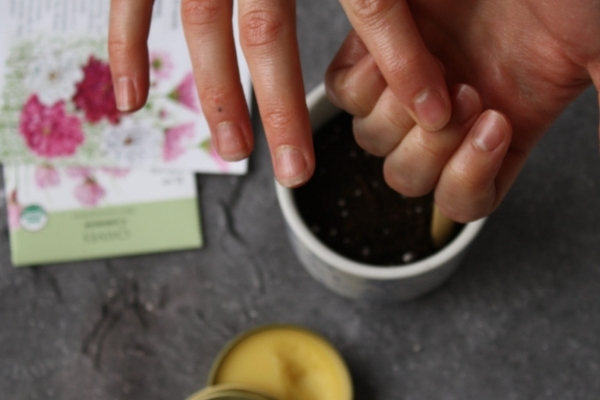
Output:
x=278 y=362
x=357 y=280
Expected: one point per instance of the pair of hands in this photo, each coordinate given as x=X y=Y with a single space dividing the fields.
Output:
x=454 y=94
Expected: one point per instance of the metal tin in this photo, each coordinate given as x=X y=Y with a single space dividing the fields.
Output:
x=229 y=392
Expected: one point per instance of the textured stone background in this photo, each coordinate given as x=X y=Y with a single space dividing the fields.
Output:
x=519 y=320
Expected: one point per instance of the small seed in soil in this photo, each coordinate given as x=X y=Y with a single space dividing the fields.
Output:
x=408 y=257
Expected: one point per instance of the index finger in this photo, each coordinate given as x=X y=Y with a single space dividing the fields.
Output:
x=268 y=39
x=414 y=75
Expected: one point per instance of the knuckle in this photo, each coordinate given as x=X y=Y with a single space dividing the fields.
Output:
x=119 y=48
x=369 y=145
x=347 y=95
x=200 y=12
x=370 y=10
x=405 y=66
x=394 y=180
x=429 y=148
x=407 y=184
x=355 y=101
x=215 y=98
x=468 y=199
x=351 y=102
x=117 y=45
x=371 y=142
x=399 y=119
x=260 y=27
x=468 y=182
x=277 y=119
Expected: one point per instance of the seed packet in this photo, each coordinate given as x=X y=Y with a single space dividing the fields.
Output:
x=57 y=103
x=58 y=214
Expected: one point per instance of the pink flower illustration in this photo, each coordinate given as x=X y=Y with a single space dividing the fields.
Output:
x=95 y=93
x=89 y=192
x=186 y=94
x=161 y=65
x=78 y=172
x=116 y=172
x=49 y=131
x=163 y=114
x=208 y=146
x=46 y=176
x=174 y=145
x=14 y=212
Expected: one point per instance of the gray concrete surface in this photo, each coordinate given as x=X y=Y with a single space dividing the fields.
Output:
x=519 y=320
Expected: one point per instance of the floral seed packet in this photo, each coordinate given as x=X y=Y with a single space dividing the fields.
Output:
x=57 y=102
x=76 y=213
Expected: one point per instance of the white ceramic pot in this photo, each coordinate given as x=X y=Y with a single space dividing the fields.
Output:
x=354 y=279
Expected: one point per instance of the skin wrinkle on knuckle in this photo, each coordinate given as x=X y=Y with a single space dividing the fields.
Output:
x=404 y=66
x=370 y=143
x=351 y=97
x=260 y=27
x=398 y=181
x=423 y=144
x=201 y=13
x=394 y=116
x=370 y=12
x=470 y=186
x=119 y=48
x=372 y=140
x=215 y=98
x=278 y=119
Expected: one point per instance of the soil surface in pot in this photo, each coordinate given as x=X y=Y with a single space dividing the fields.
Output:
x=350 y=208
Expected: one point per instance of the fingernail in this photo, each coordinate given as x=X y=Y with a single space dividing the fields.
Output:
x=466 y=103
x=490 y=132
x=125 y=94
x=290 y=166
x=431 y=110
x=230 y=142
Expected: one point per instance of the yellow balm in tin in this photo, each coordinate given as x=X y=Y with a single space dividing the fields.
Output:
x=285 y=362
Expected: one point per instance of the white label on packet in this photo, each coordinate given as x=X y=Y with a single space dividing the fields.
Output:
x=72 y=188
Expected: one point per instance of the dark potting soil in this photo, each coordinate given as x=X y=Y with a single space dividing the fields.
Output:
x=350 y=208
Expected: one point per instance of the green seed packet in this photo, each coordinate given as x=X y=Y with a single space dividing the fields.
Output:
x=76 y=213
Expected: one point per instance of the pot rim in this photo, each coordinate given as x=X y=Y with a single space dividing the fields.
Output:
x=317 y=101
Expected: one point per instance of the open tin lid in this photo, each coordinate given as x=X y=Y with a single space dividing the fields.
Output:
x=229 y=392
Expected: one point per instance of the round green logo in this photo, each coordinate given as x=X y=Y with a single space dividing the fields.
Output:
x=33 y=218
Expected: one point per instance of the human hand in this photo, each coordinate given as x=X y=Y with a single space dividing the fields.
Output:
x=268 y=39
x=527 y=60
